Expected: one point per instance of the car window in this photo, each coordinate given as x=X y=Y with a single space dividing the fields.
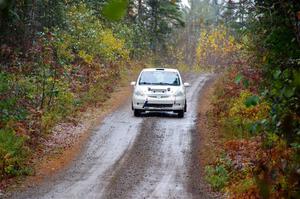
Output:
x=159 y=78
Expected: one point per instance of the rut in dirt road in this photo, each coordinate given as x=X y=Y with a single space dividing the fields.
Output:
x=128 y=157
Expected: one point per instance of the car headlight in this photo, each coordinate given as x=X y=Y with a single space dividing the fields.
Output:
x=139 y=93
x=179 y=94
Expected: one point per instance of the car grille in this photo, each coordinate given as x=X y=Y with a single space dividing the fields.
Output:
x=164 y=96
x=159 y=105
x=159 y=96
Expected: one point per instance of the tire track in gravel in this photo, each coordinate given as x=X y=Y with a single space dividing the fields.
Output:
x=91 y=172
x=158 y=164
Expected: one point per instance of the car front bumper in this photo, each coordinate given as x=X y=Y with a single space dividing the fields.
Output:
x=147 y=103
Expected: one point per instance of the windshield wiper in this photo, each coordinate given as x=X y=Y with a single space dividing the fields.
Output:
x=145 y=83
x=169 y=84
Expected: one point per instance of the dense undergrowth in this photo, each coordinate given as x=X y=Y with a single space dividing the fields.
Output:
x=255 y=162
x=256 y=104
x=57 y=58
x=258 y=115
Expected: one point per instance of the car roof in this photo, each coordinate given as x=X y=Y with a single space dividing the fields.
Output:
x=161 y=69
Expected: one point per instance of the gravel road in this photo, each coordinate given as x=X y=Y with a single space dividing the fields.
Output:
x=129 y=157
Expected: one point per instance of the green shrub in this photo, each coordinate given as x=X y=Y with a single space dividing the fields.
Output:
x=61 y=105
x=216 y=176
x=8 y=109
x=242 y=186
x=13 y=153
x=241 y=117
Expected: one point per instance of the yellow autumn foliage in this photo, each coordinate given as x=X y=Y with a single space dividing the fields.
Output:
x=215 y=47
x=241 y=113
x=86 y=57
x=240 y=117
x=113 y=48
x=88 y=38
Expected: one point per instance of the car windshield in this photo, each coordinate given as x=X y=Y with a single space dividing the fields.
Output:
x=159 y=77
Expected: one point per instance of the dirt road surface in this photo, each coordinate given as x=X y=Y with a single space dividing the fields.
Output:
x=132 y=158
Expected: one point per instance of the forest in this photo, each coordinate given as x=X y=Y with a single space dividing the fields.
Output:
x=59 y=57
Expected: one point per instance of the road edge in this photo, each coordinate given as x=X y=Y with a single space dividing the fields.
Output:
x=196 y=170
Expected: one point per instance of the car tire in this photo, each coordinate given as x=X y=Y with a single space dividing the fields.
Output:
x=180 y=114
x=137 y=113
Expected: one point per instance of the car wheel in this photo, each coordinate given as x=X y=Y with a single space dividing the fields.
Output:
x=180 y=114
x=137 y=113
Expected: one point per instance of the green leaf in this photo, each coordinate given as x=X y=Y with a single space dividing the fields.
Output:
x=295 y=145
x=288 y=92
x=277 y=74
x=251 y=101
x=115 y=9
x=246 y=83
x=296 y=78
x=238 y=78
x=253 y=128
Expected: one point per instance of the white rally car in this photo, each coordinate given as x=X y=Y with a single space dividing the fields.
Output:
x=159 y=89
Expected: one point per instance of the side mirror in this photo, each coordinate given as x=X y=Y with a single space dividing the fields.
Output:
x=186 y=84
x=132 y=83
